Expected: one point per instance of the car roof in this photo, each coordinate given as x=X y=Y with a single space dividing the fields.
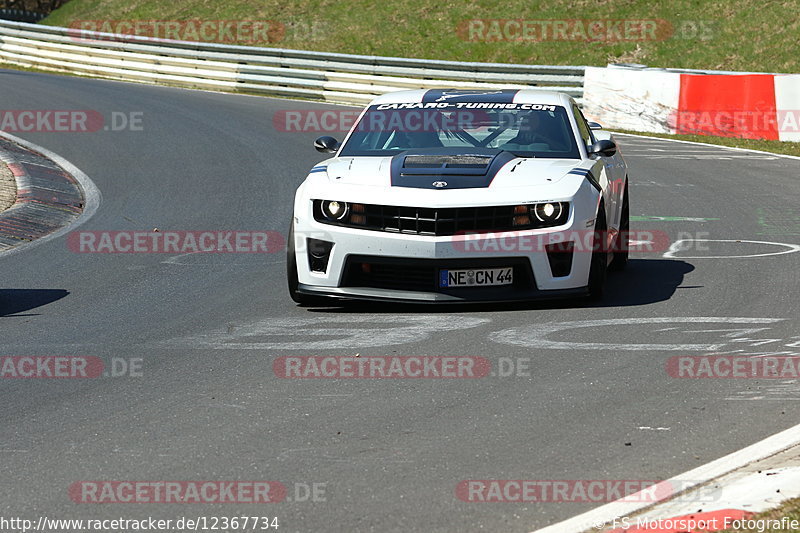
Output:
x=527 y=96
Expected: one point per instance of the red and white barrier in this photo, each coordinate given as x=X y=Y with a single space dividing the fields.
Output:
x=787 y=100
x=751 y=106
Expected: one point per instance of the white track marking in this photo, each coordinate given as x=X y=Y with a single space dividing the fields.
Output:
x=712 y=146
x=643 y=150
x=176 y=260
x=696 y=155
x=91 y=194
x=535 y=335
x=648 y=218
x=343 y=329
x=675 y=248
x=728 y=157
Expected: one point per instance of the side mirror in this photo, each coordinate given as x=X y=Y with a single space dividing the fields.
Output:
x=605 y=148
x=595 y=126
x=326 y=144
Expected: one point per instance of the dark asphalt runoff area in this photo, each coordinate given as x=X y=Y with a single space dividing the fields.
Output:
x=588 y=398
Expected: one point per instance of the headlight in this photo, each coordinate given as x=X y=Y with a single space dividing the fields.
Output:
x=548 y=212
x=541 y=215
x=334 y=210
x=340 y=213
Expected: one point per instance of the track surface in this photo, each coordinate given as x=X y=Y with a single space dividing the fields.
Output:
x=208 y=406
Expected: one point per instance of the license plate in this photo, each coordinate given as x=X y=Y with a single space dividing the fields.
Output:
x=478 y=277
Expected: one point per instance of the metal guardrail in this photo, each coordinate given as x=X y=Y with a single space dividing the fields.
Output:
x=332 y=77
x=21 y=15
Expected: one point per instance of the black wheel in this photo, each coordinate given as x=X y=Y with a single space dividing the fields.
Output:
x=620 y=260
x=291 y=275
x=599 y=265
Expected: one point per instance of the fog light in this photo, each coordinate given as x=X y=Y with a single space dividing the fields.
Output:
x=319 y=253
x=560 y=257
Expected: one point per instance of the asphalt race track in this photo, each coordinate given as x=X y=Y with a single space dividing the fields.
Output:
x=592 y=403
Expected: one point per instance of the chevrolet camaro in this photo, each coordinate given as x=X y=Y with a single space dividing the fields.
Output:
x=460 y=196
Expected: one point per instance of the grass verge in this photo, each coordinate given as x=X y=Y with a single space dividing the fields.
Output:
x=790 y=509
x=702 y=34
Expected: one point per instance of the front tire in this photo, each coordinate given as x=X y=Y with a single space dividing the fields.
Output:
x=599 y=264
x=620 y=260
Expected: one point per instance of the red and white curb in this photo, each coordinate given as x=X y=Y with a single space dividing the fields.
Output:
x=733 y=498
x=715 y=490
x=53 y=196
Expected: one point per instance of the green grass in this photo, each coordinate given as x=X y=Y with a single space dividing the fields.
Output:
x=778 y=147
x=790 y=509
x=706 y=34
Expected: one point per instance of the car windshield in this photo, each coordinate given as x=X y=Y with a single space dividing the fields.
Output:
x=526 y=130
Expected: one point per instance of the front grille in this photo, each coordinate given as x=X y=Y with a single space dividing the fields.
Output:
x=423 y=274
x=438 y=222
x=393 y=276
x=433 y=221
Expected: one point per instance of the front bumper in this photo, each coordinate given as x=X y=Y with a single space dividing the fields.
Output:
x=489 y=295
x=409 y=263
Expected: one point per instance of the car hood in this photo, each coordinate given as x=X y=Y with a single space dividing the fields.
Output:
x=478 y=169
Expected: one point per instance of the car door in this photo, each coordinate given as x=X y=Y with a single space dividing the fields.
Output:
x=605 y=171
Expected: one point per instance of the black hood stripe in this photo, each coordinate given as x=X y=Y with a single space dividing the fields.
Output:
x=448 y=176
x=579 y=171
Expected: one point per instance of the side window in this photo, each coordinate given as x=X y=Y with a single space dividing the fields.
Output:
x=583 y=127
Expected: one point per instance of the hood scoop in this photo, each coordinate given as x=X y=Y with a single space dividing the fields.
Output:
x=447 y=161
x=448 y=168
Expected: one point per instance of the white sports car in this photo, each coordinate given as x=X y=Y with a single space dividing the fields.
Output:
x=455 y=196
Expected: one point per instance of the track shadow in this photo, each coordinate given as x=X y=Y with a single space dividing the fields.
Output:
x=15 y=301
x=644 y=281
